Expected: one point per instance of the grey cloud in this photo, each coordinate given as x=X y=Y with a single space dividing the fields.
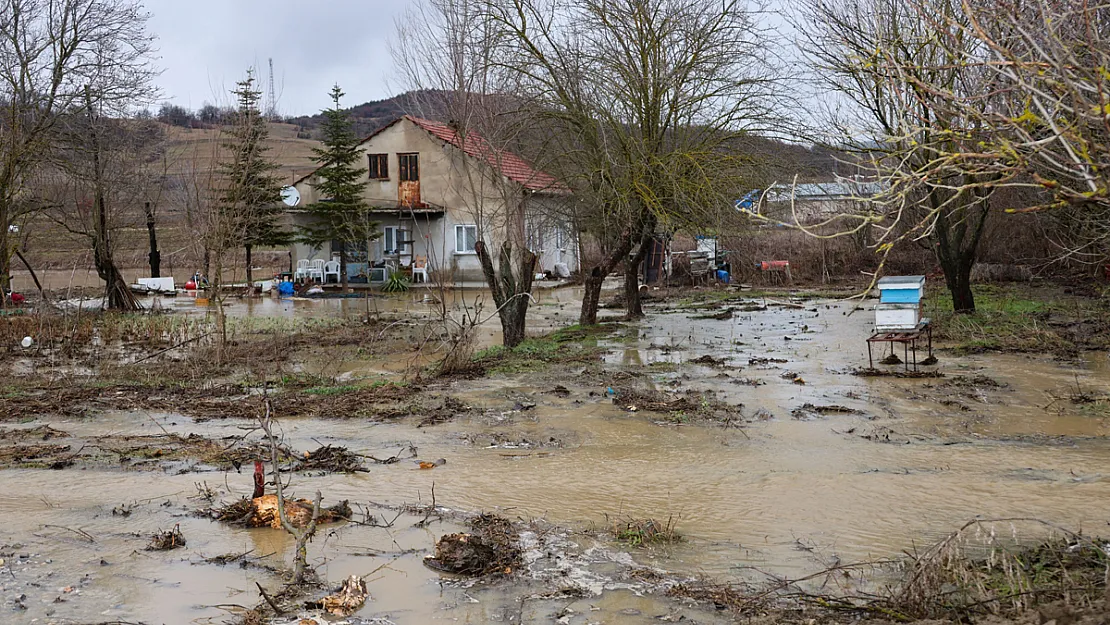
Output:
x=207 y=45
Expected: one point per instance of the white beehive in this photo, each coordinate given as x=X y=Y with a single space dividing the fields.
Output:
x=897 y=316
x=900 y=303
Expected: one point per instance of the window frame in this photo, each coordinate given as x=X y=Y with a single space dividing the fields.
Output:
x=405 y=168
x=382 y=166
x=464 y=226
x=395 y=231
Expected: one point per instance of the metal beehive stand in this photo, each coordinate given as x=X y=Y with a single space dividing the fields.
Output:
x=908 y=339
x=901 y=293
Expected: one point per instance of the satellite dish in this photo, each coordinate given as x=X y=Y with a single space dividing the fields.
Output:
x=290 y=196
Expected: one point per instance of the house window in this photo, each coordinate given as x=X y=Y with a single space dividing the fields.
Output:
x=379 y=166
x=465 y=239
x=389 y=239
x=409 y=167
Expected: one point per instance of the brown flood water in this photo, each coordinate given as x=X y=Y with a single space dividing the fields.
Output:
x=785 y=495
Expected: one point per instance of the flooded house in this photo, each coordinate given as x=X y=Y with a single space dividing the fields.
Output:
x=435 y=191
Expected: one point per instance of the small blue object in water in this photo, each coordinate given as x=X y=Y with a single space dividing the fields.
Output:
x=285 y=288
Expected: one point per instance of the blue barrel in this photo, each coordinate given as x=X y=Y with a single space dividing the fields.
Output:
x=722 y=276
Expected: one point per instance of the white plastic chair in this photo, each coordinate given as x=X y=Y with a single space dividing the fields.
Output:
x=316 y=269
x=331 y=268
x=302 y=269
x=420 y=268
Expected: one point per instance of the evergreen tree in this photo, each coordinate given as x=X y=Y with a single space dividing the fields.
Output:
x=342 y=213
x=251 y=206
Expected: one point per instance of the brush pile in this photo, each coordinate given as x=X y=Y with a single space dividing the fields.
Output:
x=492 y=547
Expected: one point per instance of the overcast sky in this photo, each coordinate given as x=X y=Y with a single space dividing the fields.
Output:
x=207 y=45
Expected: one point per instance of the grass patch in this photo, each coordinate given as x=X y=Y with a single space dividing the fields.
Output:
x=332 y=390
x=571 y=344
x=1012 y=318
x=643 y=532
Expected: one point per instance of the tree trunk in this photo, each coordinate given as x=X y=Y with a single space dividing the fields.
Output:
x=38 y=285
x=591 y=299
x=207 y=263
x=216 y=297
x=958 y=233
x=957 y=277
x=117 y=294
x=155 y=257
x=5 y=256
x=250 y=274
x=511 y=293
x=632 y=303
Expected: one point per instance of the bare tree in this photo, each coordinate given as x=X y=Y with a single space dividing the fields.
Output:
x=55 y=57
x=917 y=89
x=444 y=49
x=198 y=186
x=301 y=536
x=1051 y=130
x=106 y=170
x=640 y=100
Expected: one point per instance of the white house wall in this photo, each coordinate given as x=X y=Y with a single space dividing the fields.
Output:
x=465 y=187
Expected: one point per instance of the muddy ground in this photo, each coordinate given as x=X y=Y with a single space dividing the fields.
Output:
x=731 y=421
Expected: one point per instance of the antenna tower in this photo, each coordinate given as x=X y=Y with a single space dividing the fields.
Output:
x=271 y=109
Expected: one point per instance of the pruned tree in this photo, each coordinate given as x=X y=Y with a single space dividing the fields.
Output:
x=342 y=214
x=55 y=57
x=640 y=99
x=445 y=51
x=251 y=204
x=917 y=91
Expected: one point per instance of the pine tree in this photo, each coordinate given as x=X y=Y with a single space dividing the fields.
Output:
x=251 y=204
x=342 y=214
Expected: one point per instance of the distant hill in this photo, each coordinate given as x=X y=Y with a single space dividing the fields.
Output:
x=371 y=116
x=780 y=160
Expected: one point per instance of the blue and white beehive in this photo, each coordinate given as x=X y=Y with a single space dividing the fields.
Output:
x=899 y=306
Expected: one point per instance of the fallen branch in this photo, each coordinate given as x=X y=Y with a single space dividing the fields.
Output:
x=277 y=610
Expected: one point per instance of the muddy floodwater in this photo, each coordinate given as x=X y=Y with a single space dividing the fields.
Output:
x=826 y=466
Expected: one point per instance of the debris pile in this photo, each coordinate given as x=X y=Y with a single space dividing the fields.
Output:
x=331 y=459
x=346 y=600
x=709 y=361
x=164 y=541
x=808 y=411
x=492 y=547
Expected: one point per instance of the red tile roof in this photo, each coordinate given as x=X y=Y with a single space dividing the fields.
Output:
x=509 y=164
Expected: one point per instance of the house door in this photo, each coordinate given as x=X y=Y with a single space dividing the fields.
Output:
x=408 y=191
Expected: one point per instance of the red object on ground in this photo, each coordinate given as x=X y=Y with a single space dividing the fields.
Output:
x=18 y=299
x=190 y=285
x=259 y=480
